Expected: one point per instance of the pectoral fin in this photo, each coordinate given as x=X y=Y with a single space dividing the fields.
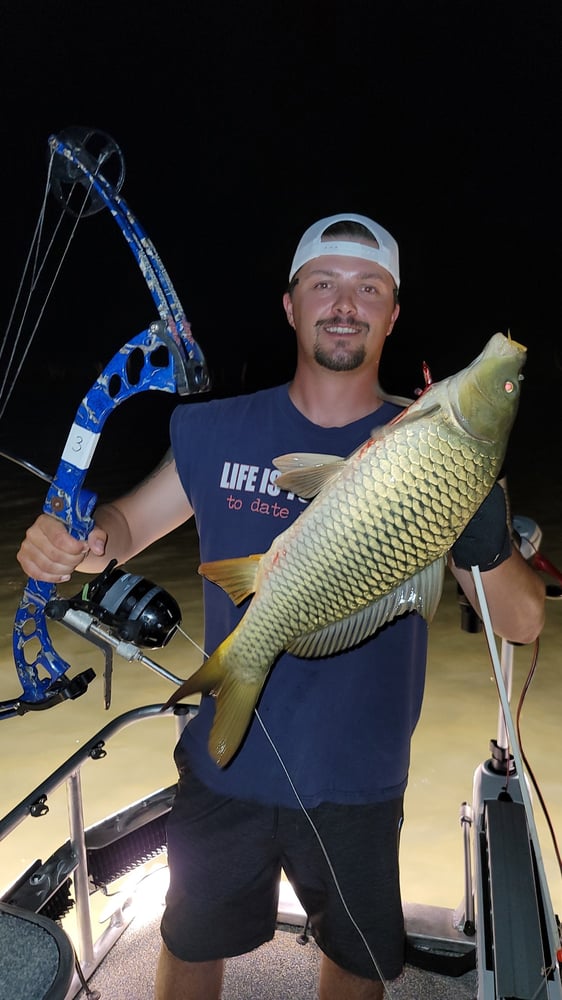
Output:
x=305 y=473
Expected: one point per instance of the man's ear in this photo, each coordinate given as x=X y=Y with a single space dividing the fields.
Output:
x=288 y=307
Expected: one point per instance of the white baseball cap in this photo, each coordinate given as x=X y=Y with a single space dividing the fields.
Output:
x=312 y=245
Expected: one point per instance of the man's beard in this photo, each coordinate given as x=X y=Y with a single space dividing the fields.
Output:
x=340 y=360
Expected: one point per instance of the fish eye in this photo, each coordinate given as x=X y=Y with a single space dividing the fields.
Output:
x=509 y=386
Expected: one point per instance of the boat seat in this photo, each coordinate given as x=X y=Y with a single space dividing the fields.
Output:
x=36 y=956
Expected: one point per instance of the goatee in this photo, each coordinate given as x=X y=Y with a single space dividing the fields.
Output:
x=340 y=359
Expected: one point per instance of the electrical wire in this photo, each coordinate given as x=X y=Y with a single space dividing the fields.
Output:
x=524 y=758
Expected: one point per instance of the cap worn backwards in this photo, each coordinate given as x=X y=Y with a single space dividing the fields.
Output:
x=312 y=245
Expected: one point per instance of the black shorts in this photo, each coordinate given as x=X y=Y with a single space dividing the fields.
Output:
x=225 y=858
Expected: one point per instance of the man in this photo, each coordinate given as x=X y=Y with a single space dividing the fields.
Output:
x=333 y=736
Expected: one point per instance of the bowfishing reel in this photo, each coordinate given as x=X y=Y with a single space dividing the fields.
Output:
x=131 y=607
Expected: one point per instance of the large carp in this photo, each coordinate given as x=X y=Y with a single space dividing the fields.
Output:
x=372 y=544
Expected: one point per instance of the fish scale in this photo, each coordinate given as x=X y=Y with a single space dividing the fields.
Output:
x=312 y=602
x=371 y=544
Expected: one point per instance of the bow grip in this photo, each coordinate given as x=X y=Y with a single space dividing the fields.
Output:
x=74 y=507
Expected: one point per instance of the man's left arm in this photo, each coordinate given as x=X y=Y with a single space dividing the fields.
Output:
x=515 y=593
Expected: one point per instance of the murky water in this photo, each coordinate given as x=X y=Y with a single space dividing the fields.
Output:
x=459 y=716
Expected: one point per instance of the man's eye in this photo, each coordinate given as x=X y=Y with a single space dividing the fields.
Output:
x=370 y=289
x=322 y=284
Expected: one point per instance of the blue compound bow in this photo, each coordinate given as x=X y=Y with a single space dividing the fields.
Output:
x=164 y=356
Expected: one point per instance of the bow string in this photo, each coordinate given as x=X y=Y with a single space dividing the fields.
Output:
x=165 y=356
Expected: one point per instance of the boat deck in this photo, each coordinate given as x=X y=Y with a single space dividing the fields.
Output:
x=279 y=970
x=117 y=934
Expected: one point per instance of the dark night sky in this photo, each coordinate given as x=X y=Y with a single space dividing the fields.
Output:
x=241 y=123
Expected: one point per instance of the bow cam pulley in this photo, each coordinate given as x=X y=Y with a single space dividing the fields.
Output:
x=102 y=157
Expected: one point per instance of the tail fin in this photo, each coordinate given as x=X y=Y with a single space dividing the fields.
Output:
x=235 y=702
x=234 y=709
x=208 y=678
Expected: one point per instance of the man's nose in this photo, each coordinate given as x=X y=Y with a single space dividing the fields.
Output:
x=344 y=302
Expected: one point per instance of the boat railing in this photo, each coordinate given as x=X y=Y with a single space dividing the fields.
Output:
x=93 y=856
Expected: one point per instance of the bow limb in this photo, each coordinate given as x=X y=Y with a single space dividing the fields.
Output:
x=74 y=165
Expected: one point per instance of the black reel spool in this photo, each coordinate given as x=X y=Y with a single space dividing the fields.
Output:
x=136 y=609
x=141 y=611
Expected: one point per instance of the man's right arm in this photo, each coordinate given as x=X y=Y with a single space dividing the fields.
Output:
x=122 y=529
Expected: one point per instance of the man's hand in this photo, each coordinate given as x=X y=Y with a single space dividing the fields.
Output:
x=515 y=593
x=50 y=553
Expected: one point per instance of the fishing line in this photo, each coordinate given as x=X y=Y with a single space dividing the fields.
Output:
x=314 y=830
x=325 y=853
x=193 y=643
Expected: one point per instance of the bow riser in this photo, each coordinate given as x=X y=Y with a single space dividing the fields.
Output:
x=147 y=362
x=31 y=639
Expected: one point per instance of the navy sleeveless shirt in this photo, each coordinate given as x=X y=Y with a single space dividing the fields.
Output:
x=342 y=725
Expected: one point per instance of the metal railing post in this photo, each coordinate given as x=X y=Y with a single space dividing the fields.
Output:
x=81 y=886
